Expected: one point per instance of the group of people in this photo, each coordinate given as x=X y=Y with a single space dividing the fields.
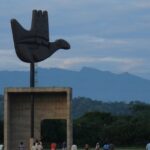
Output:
x=106 y=146
x=37 y=145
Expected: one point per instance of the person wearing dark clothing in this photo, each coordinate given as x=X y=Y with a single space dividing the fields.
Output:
x=21 y=146
x=106 y=146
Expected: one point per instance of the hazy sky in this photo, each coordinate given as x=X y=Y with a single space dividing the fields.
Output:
x=111 y=35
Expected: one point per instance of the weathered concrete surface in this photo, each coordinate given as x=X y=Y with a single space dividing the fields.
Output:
x=50 y=103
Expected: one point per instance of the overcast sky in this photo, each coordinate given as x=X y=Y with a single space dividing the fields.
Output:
x=111 y=35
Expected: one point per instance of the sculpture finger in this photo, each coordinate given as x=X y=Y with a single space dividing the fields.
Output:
x=39 y=25
x=34 y=19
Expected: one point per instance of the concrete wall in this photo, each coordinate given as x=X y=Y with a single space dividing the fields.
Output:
x=50 y=103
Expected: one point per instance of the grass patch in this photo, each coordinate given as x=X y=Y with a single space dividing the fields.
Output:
x=121 y=148
x=129 y=148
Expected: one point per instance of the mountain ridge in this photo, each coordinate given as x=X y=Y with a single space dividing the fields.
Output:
x=88 y=82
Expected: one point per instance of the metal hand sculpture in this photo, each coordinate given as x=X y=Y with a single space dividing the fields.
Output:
x=33 y=45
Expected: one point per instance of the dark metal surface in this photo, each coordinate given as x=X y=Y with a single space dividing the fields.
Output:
x=34 y=45
x=32 y=74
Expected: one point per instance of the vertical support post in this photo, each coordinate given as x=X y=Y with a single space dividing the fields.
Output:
x=32 y=71
x=69 y=120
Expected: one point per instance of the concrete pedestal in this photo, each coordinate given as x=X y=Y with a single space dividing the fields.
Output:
x=50 y=103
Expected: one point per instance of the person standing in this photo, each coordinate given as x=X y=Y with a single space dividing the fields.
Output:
x=74 y=147
x=106 y=146
x=97 y=147
x=34 y=147
x=53 y=146
x=21 y=146
x=64 y=145
x=86 y=147
x=148 y=146
x=39 y=146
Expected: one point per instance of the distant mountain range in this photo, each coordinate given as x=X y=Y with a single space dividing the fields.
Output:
x=88 y=82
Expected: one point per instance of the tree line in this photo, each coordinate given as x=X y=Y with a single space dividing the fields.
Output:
x=121 y=130
x=131 y=129
x=129 y=126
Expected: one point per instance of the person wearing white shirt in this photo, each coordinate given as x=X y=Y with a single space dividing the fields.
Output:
x=34 y=147
x=39 y=146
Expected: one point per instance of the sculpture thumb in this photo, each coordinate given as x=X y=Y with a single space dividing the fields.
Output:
x=18 y=31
